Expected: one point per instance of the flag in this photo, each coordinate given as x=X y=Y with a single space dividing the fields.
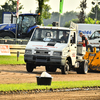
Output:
x=61 y=6
x=17 y=8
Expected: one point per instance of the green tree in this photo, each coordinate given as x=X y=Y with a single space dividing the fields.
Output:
x=93 y=12
x=46 y=13
x=43 y=9
x=81 y=16
x=67 y=17
x=54 y=18
x=91 y=21
x=67 y=24
x=9 y=6
x=64 y=18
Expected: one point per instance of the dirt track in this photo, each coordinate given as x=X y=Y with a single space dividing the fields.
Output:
x=74 y=95
x=18 y=74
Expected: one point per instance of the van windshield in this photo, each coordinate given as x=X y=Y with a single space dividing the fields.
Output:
x=50 y=35
x=95 y=35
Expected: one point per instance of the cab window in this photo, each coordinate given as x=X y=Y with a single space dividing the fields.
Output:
x=95 y=35
x=50 y=35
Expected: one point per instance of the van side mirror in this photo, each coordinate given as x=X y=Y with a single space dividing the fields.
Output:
x=88 y=37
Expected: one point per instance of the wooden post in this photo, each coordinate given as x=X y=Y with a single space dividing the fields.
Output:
x=18 y=55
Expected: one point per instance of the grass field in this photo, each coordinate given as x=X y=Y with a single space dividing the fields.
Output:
x=54 y=85
x=6 y=60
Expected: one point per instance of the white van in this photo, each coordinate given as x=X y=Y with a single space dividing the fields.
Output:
x=55 y=47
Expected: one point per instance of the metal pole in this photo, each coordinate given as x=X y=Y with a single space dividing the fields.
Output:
x=96 y=14
x=59 y=19
x=16 y=30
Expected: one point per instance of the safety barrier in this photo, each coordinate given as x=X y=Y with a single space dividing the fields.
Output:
x=14 y=41
x=17 y=48
x=15 y=45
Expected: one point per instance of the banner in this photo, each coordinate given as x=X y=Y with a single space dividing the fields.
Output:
x=61 y=6
x=4 y=50
x=17 y=8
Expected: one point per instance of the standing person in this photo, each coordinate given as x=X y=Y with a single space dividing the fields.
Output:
x=84 y=40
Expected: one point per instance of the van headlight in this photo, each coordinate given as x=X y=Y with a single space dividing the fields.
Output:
x=57 y=53
x=28 y=51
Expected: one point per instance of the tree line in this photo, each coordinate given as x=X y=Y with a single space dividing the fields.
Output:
x=47 y=18
x=64 y=18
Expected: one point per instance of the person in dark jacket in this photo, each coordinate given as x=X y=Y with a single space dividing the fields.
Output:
x=84 y=40
x=65 y=37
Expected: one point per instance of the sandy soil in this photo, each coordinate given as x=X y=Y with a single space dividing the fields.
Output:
x=72 y=95
x=18 y=74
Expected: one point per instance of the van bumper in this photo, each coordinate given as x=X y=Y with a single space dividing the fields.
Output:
x=44 y=60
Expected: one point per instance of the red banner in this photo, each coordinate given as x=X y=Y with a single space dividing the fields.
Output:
x=17 y=9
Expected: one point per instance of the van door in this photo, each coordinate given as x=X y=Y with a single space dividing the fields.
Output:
x=73 y=46
x=94 y=39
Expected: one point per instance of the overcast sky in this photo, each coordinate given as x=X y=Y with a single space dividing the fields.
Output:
x=69 y=5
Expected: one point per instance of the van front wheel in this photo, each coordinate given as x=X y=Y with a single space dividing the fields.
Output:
x=50 y=68
x=65 y=69
x=29 y=67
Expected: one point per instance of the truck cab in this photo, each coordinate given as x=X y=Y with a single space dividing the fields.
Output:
x=94 y=40
x=53 y=47
x=25 y=26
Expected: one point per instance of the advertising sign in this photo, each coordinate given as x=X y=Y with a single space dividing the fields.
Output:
x=4 y=50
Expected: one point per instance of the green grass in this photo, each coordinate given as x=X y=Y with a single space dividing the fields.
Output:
x=6 y=60
x=54 y=85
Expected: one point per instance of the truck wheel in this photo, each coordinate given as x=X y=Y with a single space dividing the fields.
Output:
x=29 y=67
x=6 y=35
x=50 y=68
x=83 y=68
x=65 y=69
